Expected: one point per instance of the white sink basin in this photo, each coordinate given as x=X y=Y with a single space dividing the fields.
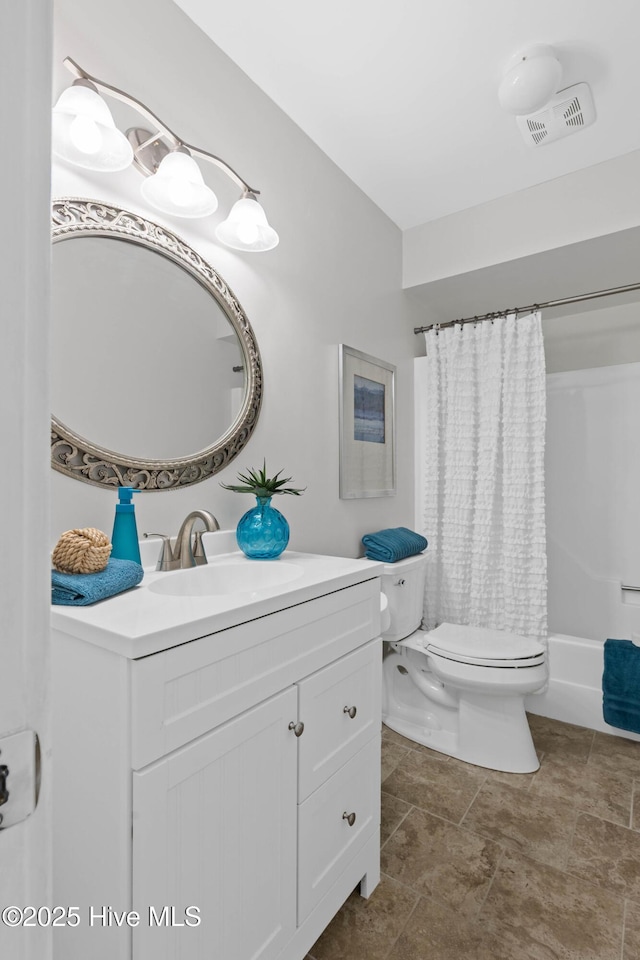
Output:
x=232 y=576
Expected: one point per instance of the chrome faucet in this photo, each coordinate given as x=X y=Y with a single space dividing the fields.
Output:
x=183 y=554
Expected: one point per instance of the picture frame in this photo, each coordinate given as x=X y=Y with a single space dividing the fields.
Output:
x=367 y=425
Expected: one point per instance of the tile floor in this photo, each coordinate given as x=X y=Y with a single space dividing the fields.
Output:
x=479 y=865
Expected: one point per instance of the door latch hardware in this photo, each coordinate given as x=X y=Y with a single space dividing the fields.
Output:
x=19 y=777
x=4 y=793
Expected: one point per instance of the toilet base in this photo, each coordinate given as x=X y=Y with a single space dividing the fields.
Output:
x=487 y=730
x=515 y=760
x=446 y=741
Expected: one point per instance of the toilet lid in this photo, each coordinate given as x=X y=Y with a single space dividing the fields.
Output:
x=480 y=645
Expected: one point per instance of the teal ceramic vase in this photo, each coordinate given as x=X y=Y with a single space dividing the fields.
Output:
x=262 y=533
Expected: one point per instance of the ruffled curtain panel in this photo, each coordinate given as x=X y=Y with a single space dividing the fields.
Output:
x=481 y=468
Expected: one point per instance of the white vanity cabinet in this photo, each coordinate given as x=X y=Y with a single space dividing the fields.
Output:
x=218 y=799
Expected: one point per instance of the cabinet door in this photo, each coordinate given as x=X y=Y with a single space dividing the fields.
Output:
x=214 y=827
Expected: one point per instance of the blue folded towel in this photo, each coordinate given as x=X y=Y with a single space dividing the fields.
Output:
x=393 y=544
x=621 y=685
x=81 y=589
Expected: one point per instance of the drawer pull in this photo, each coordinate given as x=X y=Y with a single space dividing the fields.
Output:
x=297 y=727
x=351 y=711
x=349 y=817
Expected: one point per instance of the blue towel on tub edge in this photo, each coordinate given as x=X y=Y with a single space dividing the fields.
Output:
x=393 y=544
x=81 y=589
x=621 y=685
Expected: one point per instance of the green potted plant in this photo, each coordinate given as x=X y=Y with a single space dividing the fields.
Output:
x=263 y=533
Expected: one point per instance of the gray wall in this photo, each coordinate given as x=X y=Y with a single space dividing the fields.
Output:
x=584 y=205
x=592 y=338
x=335 y=278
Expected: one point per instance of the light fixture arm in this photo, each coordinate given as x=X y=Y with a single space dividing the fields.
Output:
x=163 y=130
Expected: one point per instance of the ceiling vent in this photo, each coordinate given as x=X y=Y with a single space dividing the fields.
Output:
x=569 y=111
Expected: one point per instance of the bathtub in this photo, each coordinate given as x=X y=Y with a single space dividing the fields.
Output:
x=574 y=693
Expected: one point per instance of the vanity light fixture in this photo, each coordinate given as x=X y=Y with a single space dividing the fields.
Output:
x=530 y=80
x=177 y=187
x=85 y=135
x=246 y=227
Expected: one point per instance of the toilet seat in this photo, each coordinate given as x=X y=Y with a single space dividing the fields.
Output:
x=479 y=646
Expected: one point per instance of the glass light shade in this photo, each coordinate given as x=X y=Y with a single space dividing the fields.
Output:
x=177 y=188
x=530 y=84
x=246 y=228
x=84 y=134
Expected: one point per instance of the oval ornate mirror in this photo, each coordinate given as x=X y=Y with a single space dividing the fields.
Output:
x=152 y=354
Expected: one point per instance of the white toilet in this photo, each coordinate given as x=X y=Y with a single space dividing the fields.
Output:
x=457 y=689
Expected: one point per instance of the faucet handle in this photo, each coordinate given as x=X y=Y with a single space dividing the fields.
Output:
x=166 y=560
x=199 y=556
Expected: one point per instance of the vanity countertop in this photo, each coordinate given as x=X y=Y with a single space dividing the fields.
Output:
x=141 y=621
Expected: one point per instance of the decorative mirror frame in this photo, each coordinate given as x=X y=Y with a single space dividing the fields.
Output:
x=76 y=456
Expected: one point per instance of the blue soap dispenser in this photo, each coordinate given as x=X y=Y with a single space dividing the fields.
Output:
x=124 y=538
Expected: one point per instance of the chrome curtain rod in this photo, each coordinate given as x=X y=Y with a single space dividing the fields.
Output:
x=534 y=306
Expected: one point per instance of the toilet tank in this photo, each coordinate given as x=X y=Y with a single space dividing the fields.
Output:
x=403 y=585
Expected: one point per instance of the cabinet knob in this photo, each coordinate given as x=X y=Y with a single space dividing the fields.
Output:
x=349 y=817
x=351 y=711
x=297 y=727
x=400 y=582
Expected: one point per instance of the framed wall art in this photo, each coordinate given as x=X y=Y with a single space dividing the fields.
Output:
x=367 y=426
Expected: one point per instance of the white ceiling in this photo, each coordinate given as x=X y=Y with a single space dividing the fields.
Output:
x=402 y=94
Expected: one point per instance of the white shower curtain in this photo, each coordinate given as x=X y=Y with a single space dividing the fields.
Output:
x=481 y=470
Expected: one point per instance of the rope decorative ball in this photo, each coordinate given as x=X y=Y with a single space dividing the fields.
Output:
x=81 y=551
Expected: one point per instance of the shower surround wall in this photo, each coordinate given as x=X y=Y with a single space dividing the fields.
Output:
x=335 y=278
x=592 y=469
x=593 y=464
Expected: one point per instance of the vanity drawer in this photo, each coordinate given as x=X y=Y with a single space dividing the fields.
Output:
x=181 y=693
x=326 y=840
x=340 y=708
